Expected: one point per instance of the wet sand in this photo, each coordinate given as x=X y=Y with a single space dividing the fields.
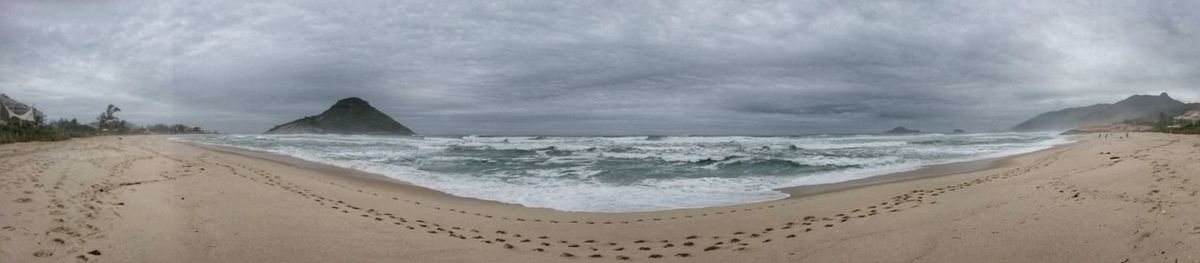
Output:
x=149 y=199
x=920 y=173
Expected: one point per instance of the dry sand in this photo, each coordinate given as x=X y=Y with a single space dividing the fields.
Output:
x=148 y=199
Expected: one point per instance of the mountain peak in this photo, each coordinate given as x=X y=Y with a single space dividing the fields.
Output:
x=351 y=102
x=1149 y=100
x=348 y=116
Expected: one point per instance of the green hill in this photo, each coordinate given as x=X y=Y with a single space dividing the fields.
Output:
x=1138 y=107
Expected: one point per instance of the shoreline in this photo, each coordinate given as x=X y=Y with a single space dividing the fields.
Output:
x=923 y=172
x=793 y=192
x=347 y=173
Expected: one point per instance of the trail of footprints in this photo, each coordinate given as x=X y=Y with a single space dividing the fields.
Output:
x=1161 y=171
x=69 y=227
x=681 y=247
x=74 y=215
x=1169 y=189
x=67 y=230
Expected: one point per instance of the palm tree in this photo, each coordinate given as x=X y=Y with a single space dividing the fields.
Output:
x=112 y=109
x=107 y=117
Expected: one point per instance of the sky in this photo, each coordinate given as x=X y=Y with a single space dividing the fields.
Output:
x=604 y=67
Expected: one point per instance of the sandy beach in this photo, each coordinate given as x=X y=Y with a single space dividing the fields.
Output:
x=150 y=199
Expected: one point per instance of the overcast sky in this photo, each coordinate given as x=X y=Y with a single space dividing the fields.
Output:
x=597 y=67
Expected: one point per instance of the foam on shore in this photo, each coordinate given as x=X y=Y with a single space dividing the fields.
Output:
x=622 y=174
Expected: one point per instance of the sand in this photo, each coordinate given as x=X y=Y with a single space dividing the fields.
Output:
x=149 y=199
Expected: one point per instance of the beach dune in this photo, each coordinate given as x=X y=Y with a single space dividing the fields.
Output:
x=151 y=199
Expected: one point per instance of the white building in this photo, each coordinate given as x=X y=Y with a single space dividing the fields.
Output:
x=13 y=111
x=1191 y=117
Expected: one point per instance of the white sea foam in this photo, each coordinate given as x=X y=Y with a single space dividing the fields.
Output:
x=616 y=174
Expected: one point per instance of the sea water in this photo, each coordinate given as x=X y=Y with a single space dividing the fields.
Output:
x=634 y=173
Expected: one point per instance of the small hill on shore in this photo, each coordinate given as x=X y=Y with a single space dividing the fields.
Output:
x=347 y=116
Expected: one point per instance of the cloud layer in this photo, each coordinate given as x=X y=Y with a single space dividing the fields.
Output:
x=597 y=67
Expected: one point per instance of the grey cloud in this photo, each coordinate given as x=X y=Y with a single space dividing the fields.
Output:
x=597 y=67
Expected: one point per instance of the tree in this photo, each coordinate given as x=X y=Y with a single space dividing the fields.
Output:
x=121 y=126
x=159 y=128
x=108 y=120
x=1163 y=121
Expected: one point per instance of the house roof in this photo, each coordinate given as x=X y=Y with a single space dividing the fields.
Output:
x=1189 y=115
x=16 y=109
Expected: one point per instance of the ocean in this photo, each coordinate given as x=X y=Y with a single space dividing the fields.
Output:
x=634 y=173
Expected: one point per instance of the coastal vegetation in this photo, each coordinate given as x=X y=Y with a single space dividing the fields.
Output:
x=1190 y=129
x=14 y=129
x=13 y=133
x=1185 y=127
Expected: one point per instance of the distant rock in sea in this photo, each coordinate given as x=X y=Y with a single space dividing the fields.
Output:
x=347 y=116
x=1137 y=107
x=902 y=130
x=959 y=131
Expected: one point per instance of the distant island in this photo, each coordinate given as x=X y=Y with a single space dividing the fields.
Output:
x=347 y=116
x=1146 y=109
x=901 y=130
